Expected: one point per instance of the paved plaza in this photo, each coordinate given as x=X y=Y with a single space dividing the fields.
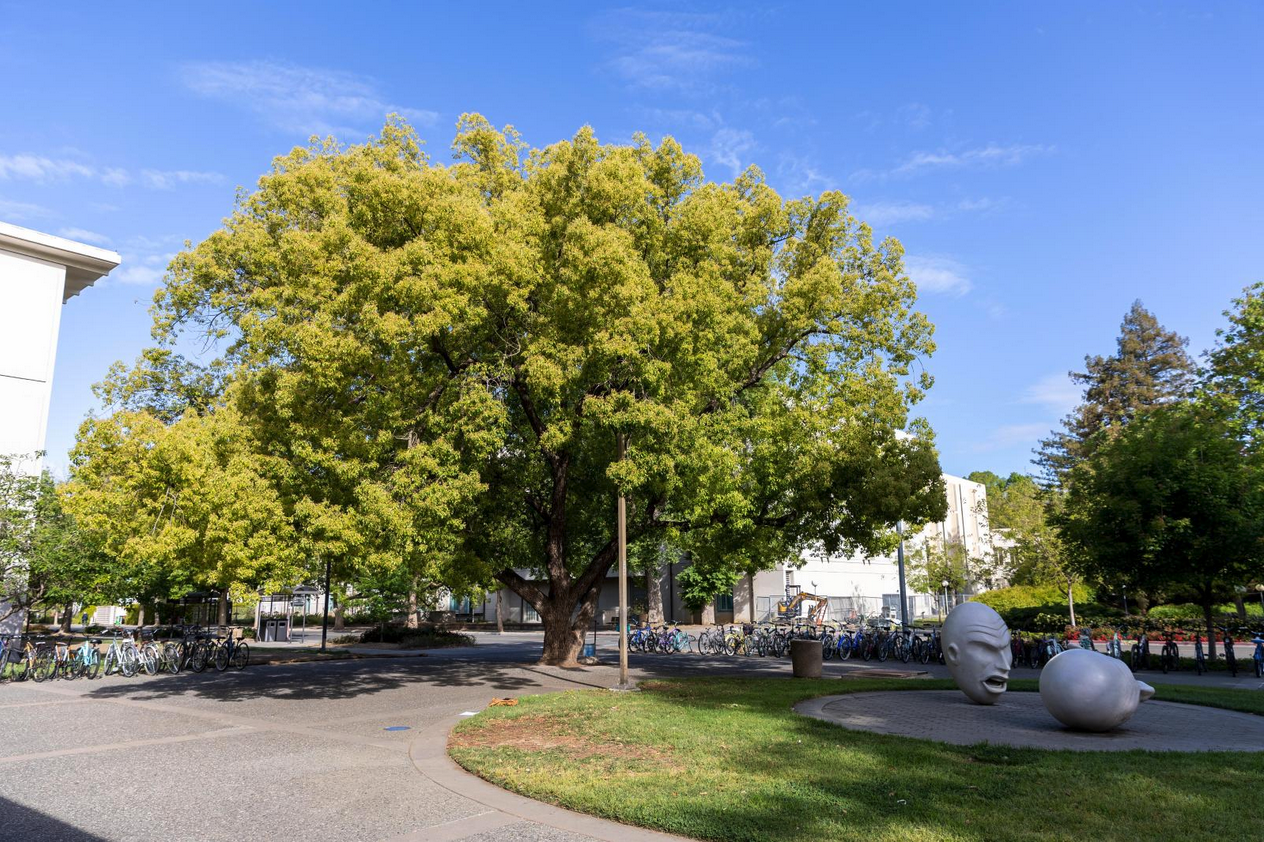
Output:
x=1020 y=720
x=304 y=750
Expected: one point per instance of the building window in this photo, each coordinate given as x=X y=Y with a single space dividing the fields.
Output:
x=724 y=602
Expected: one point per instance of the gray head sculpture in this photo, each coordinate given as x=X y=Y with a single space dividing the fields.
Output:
x=976 y=650
x=1089 y=691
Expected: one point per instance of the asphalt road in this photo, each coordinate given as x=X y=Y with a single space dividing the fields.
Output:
x=296 y=751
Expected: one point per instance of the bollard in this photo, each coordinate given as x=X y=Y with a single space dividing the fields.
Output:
x=805 y=657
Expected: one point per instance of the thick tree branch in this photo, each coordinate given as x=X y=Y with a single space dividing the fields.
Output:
x=757 y=373
x=523 y=588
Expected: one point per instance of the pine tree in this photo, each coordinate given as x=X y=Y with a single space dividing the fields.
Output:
x=1149 y=368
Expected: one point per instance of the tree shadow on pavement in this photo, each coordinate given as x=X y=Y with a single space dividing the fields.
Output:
x=19 y=822
x=323 y=681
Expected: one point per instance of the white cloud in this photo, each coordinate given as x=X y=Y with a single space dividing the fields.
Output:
x=293 y=98
x=891 y=213
x=22 y=211
x=938 y=275
x=983 y=156
x=799 y=173
x=915 y=115
x=84 y=236
x=139 y=269
x=42 y=169
x=1010 y=435
x=668 y=50
x=728 y=146
x=168 y=179
x=1055 y=391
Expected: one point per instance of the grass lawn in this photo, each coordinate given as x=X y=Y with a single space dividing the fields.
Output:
x=726 y=759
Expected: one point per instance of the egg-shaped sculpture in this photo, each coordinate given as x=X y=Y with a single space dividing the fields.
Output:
x=1089 y=691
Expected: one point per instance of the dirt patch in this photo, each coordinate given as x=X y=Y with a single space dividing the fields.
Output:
x=543 y=733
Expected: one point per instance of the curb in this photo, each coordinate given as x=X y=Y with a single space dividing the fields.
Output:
x=429 y=753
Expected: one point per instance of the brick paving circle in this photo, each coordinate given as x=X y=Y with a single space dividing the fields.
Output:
x=1020 y=720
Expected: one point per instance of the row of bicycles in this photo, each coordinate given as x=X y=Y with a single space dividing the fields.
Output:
x=838 y=641
x=151 y=651
x=1036 y=651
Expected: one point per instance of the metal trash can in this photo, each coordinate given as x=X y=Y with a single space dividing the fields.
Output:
x=806 y=658
x=270 y=630
x=282 y=631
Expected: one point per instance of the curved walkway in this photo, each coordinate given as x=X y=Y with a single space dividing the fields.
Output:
x=509 y=815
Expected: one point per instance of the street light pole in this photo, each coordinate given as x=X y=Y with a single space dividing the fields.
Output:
x=1260 y=590
x=899 y=555
x=623 y=579
x=945 y=584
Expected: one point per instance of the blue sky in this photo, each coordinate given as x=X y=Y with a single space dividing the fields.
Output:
x=1043 y=166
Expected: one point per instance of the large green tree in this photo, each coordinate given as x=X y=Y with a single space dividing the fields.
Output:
x=46 y=560
x=1234 y=377
x=449 y=353
x=1170 y=502
x=1150 y=367
x=1029 y=550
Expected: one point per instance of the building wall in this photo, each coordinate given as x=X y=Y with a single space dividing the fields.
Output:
x=30 y=314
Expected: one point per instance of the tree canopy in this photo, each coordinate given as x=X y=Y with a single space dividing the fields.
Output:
x=1150 y=367
x=433 y=362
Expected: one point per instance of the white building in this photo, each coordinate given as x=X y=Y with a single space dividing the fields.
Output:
x=38 y=273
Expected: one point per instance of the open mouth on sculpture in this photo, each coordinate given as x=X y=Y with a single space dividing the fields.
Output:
x=996 y=683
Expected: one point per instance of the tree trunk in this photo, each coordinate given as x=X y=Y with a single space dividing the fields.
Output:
x=140 y=615
x=654 y=595
x=412 y=609
x=708 y=614
x=1211 y=631
x=500 y=617
x=562 y=641
x=1240 y=604
x=339 y=622
x=66 y=618
x=1071 y=601
x=223 y=608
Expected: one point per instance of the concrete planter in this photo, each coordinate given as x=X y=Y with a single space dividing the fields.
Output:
x=805 y=657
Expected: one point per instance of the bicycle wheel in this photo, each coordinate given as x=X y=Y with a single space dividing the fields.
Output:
x=1259 y=668
x=198 y=657
x=45 y=667
x=241 y=656
x=129 y=662
x=1231 y=661
x=1134 y=658
x=148 y=659
x=171 y=658
x=221 y=657
x=92 y=666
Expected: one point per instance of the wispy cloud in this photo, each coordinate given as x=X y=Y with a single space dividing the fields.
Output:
x=1010 y=435
x=729 y=148
x=915 y=115
x=144 y=260
x=980 y=157
x=22 y=211
x=991 y=155
x=1054 y=391
x=84 y=236
x=941 y=275
x=800 y=173
x=668 y=50
x=294 y=98
x=44 y=170
x=892 y=213
x=169 y=179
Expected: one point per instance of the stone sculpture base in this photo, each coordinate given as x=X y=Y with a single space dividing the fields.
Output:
x=1021 y=720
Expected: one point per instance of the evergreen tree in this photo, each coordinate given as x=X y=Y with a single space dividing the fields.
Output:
x=1150 y=367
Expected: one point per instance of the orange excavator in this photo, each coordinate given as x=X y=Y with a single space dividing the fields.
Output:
x=788 y=608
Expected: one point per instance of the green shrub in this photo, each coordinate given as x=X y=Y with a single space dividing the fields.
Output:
x=1183 y=611
x=424 y=638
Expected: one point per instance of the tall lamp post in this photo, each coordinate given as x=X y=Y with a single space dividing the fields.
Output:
x=945 y=584
x=899 y=555
x=623 y=580
x=1260 y=590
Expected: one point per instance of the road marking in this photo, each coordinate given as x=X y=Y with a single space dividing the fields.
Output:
x=66 y=752
x=459 y=828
